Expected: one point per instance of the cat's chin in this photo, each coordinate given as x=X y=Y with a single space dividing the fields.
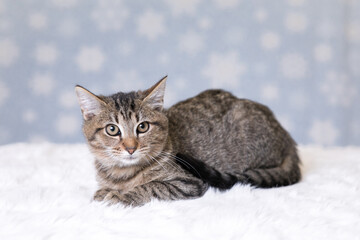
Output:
x=127 y=161
x=121 y=160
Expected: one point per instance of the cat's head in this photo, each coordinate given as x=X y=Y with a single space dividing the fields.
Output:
x=125 y=129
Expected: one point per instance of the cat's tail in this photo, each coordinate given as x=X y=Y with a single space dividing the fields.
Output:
x=286 y=174
x=283 y=175
x=199 y=169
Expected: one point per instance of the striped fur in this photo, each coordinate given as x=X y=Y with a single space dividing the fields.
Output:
x=149 y=172
x=213 y=139
x=286 y=174
x=130 y=187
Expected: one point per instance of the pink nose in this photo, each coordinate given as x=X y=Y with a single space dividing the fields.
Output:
x=130 y=145
x=130 y=150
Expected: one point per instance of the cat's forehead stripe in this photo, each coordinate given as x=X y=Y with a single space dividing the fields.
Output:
x=117 y=106
x=123 y=102
x=116 y=118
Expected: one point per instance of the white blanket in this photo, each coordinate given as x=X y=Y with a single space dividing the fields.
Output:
x=46 y=192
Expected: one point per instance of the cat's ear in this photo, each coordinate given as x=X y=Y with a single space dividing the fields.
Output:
x=90 y=104
x=155 y=94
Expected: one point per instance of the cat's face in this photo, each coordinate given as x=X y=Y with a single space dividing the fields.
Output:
x=125 y=129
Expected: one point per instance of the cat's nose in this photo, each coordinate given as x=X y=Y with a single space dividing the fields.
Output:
x=130 y=145
x=130 y=150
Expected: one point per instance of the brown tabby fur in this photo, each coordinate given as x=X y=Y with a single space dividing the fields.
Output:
x=231 y=138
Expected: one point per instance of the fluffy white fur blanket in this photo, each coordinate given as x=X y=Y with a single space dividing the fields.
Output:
x=46 y=192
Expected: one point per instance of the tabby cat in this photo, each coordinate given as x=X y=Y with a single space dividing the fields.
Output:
x=143 y=151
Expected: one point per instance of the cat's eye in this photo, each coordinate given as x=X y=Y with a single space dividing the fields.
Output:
x=112 y=130
x=143 y=127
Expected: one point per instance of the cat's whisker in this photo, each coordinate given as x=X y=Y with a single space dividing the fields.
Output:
x=166 y=162
x=129 y=129
x=158 y=162
x=180 y=160
x=171 y=163
x=143 y=152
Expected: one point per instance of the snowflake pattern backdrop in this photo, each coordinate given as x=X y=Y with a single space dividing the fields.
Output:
x=299 y=57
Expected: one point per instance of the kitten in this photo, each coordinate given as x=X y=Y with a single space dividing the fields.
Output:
x=219 y=140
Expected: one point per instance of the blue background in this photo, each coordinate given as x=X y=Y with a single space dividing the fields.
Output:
x=299 y=57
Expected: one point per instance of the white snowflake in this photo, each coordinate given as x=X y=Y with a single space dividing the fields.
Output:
x=296 y=22
x=191 y=43
x=110 y=14
x=260 y=15
x=293 y=66
x=38 y=21
x=323 y=132
x=151 y=25
x=323 y=52
x=67 y=125
x=226 y=4
x=4 y=93
x=29 y=116
x=295 y=3
x=9 y=52
x=270 y=92
x=183 y=6
x=224 y=70
x=46 y=54
x=42 y=84
x=204 y=23
x=353 y=32
x=68 y=28
x=90 y=59
x=65 y=3
x=270 y=40
x=338 y=89
x=67 y=99
x=127 y=80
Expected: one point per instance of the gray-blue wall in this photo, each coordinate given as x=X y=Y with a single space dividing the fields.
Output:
x=300 y=57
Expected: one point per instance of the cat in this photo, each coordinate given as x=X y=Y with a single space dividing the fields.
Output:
x=143 y=151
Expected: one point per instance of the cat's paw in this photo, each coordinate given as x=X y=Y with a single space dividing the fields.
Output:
x=101 y=194
x=113 y=197
x=129 y=199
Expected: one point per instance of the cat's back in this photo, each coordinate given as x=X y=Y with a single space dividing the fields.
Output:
x=215 y=104
x=217 y=125
x=207 y=103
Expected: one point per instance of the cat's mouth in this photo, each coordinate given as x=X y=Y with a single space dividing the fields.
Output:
x=130 y=157
x=129 y=160
x=125 y=159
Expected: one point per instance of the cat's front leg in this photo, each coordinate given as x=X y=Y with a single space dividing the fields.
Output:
x=101 y=194
x=180 y=188
x=134 y=198
x=111 y=196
